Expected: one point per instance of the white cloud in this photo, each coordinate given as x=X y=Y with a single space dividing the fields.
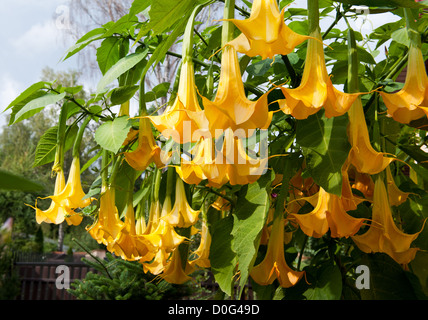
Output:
x=40 y=38
x=9 y=90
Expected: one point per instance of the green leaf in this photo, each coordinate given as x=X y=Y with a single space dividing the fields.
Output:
x=139 y=6
x=121 y=25
x=46 y=147
x=222 y=257
x=327 y=285
x=325 y=146
x=10 y=181
x=122 y=94
x=36 y=105
x=108 y=53
x=111 y=134
x=27 y=93
x=388 y=280
x=401 y=36
x=158 y=91
x=259 y=68
x=385 y=3
x=93 y=35
x=120 y=68
x=164 y=14
x=249 y=219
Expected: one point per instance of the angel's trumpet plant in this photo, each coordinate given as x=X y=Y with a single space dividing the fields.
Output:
x=362 y=156
x=328 y=214
x=182 y=215
x=230 y=107
x=55 y=213
x=203 y=251
x=411 y=102
x=107 y=228
x=147 y=151
x=274 y=265
x=184 y=115
x=174 y=271
x=383 y=234
x=316 y=89
x=264 y=33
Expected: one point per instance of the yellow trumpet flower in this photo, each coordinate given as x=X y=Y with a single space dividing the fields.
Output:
x=395 y=195
x=174 y=272
x=230 y=107
x=264 y=33
x=384 y=235
x=274 y=265
x=181 y=215
x=107 y=228
x=180 y=119
x=411 y=102
x=328 y=213
x=203 y=251
x=316 y=90
x=55 y=213
x=362 y=155
x=71 y=197
x=147 y=151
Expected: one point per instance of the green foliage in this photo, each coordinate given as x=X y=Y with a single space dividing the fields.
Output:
x=117 y=279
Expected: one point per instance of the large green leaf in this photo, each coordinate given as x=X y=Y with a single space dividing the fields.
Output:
x=91 y=36
x=385 y=3
x=165 y=13
x=327 y=285
x=388 y=280
x=325 y=146
x=46 y=147
x=27 y=93
x=37 y=105
x=108 y=53
x=10 y=181
x=111 y=134
x=119 y=68
x=249 y=219
x=222 y=257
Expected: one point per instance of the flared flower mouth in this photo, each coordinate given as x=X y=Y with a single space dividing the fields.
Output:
x=230 y=107
x=182 y=215
x=264 y=33
x=383 y=234
x=411 y=102
x=274 y=265
x=328 y=214
x=180 y=119
x=316 y=90
x=362 y=155
x=147 y=151
x=72 y=197
x=55 y=213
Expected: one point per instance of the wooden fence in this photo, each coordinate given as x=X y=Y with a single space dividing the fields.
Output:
x=43 y=276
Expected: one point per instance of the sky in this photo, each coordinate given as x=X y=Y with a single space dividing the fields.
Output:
x=32 y=38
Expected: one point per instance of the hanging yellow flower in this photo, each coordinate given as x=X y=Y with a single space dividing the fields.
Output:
x=328 y=213
x=363 y=156
x=411 y=102
x=71 y=197
x=174 y=271
x=147 y=151
x=274 y=265
x=230 y=107
x=316 y=90
x=383 y=234
x=395 y=195
x=108 y=226
x=182 y=215
x=203 y=251
x=55 y=213
x=264 y=33
x=178 y=120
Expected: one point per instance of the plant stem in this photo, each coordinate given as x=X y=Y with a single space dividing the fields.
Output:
x=313 y=16
x=228 y=26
